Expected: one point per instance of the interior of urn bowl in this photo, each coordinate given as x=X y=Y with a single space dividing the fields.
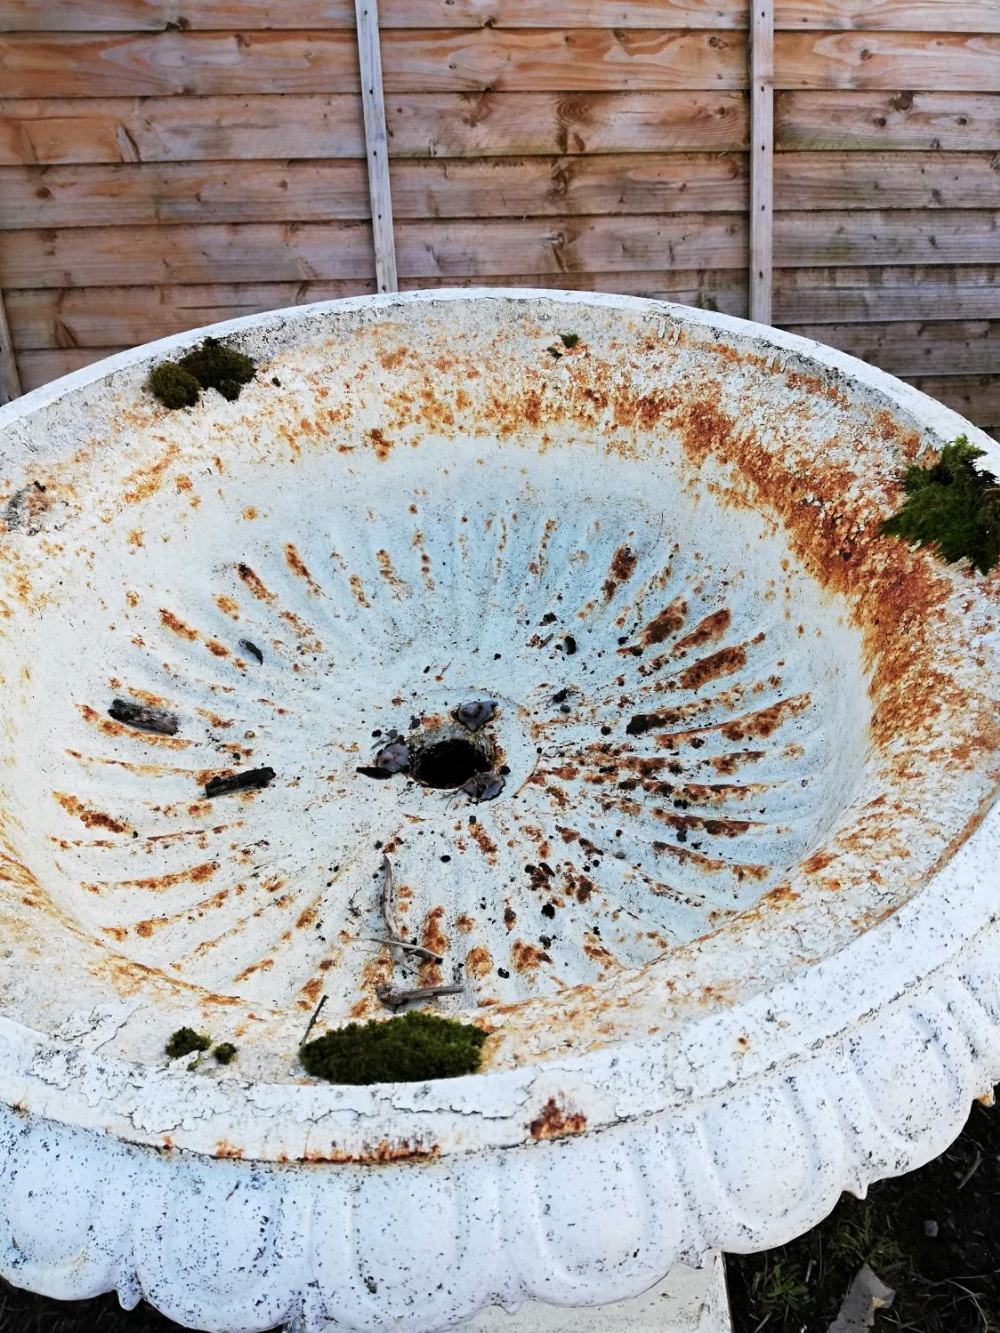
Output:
x=675 y=690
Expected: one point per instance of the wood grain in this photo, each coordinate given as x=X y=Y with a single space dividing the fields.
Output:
x=838 y=238
x=88 y=196
x=93 y=316
x=10 y=380
x=887 y=180
x=891 y=15
x=420 y=124
x=38 y=368
x=157 y=15
x=196 y=129
x=955 y=62
x=959 y=347
x=376 y=145
x=246 y=15
x=874 y=294
x=111 y=256
x=901 y=120
x=452 y=60
x=977 y=397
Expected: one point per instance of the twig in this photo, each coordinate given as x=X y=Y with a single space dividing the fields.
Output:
x=312 y=1021
x=386 y=910
x=428 y=955
x=971 y=1171
x=395 y=999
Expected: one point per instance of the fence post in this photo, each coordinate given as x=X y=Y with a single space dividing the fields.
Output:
x=376 y=144
x=761 y=158
x=10 y=382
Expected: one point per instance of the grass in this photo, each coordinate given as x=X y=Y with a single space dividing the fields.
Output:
x=932 y=1235
x=948 y=1282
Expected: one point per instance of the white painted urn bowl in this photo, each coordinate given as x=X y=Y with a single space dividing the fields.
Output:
x=728 y=911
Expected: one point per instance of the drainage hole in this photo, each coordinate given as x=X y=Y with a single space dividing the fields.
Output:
x=449 y=763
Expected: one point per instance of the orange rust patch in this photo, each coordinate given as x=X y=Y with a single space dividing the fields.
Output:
x=227 y=606
x=155 y=883
x=723 y=663
x=91 y=818
x=177 y=625
x=298 y=566
x=224 y=1149
x=668 y=622
x=478 y=961
x=623 y=564
x=526 y=957
x=380 y=445
x=709 y=628
x=553 y=1122
x=255 y=585
x=483 y=840
x=147 y=481
x=378 y=1154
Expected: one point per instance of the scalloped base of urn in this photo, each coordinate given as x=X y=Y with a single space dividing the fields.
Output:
x=688 y=1300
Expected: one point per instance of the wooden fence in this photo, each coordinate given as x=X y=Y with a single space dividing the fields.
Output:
x=166 y=163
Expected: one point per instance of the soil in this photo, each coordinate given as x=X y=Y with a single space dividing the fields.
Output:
x=933 y=1235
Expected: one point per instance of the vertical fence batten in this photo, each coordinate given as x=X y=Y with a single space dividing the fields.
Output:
x=10 y=382
x=761 y=159
x=376 y=144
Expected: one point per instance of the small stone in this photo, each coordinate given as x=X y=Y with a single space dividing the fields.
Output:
x=394 y=757
x=475 y=714
x=930 y=1229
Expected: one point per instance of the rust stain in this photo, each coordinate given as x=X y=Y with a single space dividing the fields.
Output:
x=554 y=1122
x=298 y=566
x=623 y=564
x=478 y=961
x=88 y=816
x=254 y=583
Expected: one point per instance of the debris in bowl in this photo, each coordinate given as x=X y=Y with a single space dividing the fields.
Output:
x=408 y=1049
x=951 y=506
x=211 y=365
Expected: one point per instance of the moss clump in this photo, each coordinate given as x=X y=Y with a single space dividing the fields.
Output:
x=173 y=386
x=225 y=1052
x=185 y=1040
x=409 y=1049
x=951 y=506
x=216 y=366
x=211 y=365
x=569 y=339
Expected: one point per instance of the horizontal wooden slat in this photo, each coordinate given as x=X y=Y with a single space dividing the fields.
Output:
x=110 y=256
x=93 y=316
x=977 y=397
x=246 y=15
x=866 y=295
x=37 y=368
x=895 y=120
x=942 y=347
x=838 y=238
x=894 y=15
x=952 y=61
x=165 y=129
x=88 y=196
x=155 y=15
x=452 y=60
x=885 y=180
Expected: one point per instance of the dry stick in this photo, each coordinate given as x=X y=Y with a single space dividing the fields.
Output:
x=312 y=1021
x=395 y=999
x=385 y=908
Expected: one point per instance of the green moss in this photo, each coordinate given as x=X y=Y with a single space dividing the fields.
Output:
x=216 y=366
x=186 y=1040
x=174 y=386
x=225 y=1052
x=951 y=506
x=569 y=339
x=409 y=1049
